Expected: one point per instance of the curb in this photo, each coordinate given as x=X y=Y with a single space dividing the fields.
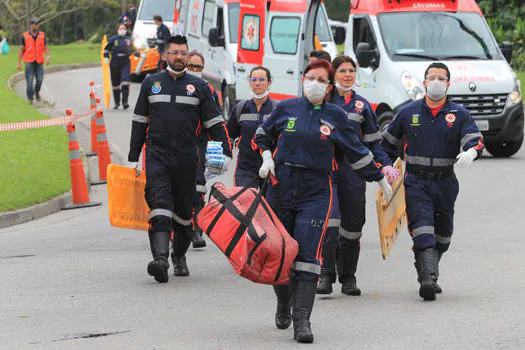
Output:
x=56 y=204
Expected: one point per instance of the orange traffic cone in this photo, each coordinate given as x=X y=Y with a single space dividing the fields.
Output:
x=93 y=121
x=78 y=180
x=104 y=155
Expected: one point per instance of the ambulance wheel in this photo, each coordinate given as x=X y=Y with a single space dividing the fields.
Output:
x=384 y=120
x=228 y=99
x=504 y=149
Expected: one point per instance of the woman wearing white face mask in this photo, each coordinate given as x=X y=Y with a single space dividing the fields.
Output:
x=120 y=48
x=350 y=187
x=299 y=143
x=195 y=67
x=245 y=118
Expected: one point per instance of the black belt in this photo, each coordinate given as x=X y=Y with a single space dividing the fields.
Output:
x=428 y=173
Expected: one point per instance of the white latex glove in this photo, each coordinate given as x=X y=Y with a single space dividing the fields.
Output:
x=466 y=158
x=387 y=190
x=268 y=165
x=134 y=165
x=106 y=60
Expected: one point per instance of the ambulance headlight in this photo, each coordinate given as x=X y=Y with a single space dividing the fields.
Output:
x=138 y=43
x=515 y=96
x=412 y=86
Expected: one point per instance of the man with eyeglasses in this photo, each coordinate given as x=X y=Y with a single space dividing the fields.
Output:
x=439 y=133
x=171 y=109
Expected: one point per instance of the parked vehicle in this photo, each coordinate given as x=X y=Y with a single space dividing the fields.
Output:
x=394 y=42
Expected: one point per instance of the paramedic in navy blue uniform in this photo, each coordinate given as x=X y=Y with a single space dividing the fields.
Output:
x=304 y=135
x=163 y=35
x=171 y=107
x=351 y=189
x=119 y=47
x=439 y=133
x=245 y=118
x=195 y=67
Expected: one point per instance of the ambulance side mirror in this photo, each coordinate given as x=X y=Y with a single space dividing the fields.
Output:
x=506 y=50
x=366 y=57
x=214 y=37
x=340 y=35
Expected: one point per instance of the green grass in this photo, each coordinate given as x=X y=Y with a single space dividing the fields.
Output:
x=521 y=77
x=34 y=164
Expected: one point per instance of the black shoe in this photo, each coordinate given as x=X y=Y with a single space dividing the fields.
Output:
x=179 y=266
x=427 y=261
x=303 y=303
x=283 y=315
x=158 y=268
x=437 y=288
x=325 y=284
x=349 y=287
x=197 y=240
x=115 y=107
x=37 y=97
x=125 y=106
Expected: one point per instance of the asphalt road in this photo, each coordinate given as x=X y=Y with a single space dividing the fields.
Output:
x=70 y=280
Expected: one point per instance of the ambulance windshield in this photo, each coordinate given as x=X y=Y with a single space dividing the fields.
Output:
x=150 y=8
x=437 y=35
x=233 y=21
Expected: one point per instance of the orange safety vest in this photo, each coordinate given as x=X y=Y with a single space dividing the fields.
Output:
x=34 y=48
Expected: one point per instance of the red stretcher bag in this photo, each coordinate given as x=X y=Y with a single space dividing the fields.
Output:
x=244 y=227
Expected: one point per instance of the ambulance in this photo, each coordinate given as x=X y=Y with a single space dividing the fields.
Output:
x=395 y=40
x=237 y=35
x=144 y=32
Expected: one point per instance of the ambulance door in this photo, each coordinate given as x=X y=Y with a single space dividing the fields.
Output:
x=289 y=40
x=250 y=44
x=180 y=16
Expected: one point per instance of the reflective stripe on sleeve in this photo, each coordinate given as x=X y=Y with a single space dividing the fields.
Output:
x=307 y=267
x=194 y=101
x=201 y=188
x=429 y=230
x=260 y=131
x=468 y=137
x=391 y=138
x=362 y=162
x=159 y=98
x=350 y=235
x=356 y=117
x=213 y=121
x=140 y=118
x=372 y=137
x=159 y=212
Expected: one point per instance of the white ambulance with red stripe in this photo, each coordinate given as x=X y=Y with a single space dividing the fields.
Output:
x=394 y=41
x=237 y=35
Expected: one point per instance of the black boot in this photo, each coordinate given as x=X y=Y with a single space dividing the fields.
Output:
x=198 y=241
x=303 y=303
x=283 y=315
x=125 y=95
x=181 y=243
x=116 y=97
x=426 y=260
x=347 y=259
x=328 y=275
x=160 y=248
x=438 y=287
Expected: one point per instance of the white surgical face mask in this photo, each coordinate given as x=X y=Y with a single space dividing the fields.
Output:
x=174 y=71
x=337 y=85
x=196 y=74
x=314 y=90
x=122 y=32
x=263 y=95
x=436 y=90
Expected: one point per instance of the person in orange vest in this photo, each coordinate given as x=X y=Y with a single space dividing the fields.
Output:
x=33 y=48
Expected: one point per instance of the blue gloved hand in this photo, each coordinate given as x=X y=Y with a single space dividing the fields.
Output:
x=216 y=161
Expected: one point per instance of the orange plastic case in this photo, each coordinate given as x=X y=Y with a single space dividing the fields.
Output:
x=127 y=207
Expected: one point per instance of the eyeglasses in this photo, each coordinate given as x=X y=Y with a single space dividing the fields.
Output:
x=260 y=79
x=344 y=71
x=177 y=52
x=312 y=77
x=195 y=67
x=442 y=78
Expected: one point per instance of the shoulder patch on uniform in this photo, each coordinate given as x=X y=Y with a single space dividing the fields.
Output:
x=156 y=87
x=359 y=104
x=190 y=89
x=330 y=125
x=451 y=118
x=325 y=130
